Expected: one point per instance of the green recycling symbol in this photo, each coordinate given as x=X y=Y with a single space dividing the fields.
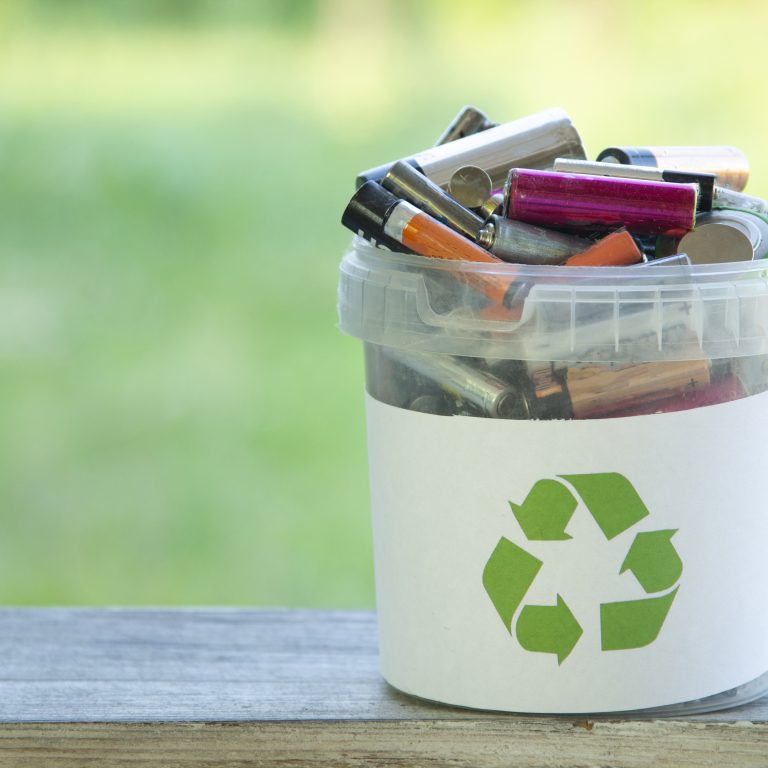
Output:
x=544 y=515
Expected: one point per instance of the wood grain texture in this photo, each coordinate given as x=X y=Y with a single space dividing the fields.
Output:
x=250 y=688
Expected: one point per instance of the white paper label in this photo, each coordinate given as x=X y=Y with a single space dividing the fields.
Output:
x=571 y=566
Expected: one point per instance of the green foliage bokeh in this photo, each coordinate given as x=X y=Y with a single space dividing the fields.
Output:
x=182 y=422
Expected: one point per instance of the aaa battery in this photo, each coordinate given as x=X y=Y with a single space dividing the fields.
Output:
x=576 y=202
x=728 y=163
x=530 y=142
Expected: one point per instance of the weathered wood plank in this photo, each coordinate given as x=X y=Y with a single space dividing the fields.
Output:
x=274 y=687
x=489 y=743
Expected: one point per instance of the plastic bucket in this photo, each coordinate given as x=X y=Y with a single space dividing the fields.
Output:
x=568 y=496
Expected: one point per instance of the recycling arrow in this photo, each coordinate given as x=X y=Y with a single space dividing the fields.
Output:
x=548 y=629
x=653 y=560
x=633 y=623
x=546 y=511
x=611 y=500
x=507 y=575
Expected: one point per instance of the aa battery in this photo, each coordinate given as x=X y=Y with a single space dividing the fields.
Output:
x=706 y=181
x=524 y=243
x=405 y=182
x=469 y=121
x=428 y=237
x=583 y=203
x=494 y=397
x=366 y=213
x=729 y=164
x=530 y=142
x=598 y=391
x=726 y=235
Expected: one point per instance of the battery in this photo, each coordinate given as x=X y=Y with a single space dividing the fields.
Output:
x=495 y=397
x=405 y=182
x=530 y=142
x=524 y=243
x=726 y=235
x=729 y=164
x=469 y=121
x=706 y=181
x=584 y=203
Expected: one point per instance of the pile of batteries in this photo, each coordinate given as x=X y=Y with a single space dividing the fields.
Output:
x=523 y=192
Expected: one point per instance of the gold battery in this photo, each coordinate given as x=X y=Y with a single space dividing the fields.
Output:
x=597 y=391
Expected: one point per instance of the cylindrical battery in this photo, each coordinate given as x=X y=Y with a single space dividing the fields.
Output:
x=675 y=260
x=524 y=243
x=530 y=142
x=471 y=186
x=728 y=163
x=366 y=213
x=726 y=235
x=405 y=182
x=469 y=121
x=599 y=391
x=727 y=198
x=495 y=397
x=706 y=181
x=428 y=237
x=575 y=202
x=615 y=250
x=492 y=206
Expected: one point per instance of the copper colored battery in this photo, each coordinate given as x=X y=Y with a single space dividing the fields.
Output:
x=582 y=203
x=597 y=391
x=728 y=163
x=722 y=391
x=618 y=249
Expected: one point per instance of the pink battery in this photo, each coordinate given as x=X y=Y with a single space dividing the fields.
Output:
x=578 y=202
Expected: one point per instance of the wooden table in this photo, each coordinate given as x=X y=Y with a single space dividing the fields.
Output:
x=233 y=687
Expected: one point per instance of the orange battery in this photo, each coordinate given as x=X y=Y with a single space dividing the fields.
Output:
x=618 y=249
x=428 y=237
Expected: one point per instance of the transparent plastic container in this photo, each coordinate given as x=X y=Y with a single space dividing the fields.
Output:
x=568 y=485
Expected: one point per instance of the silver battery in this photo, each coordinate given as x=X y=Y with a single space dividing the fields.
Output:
x=728 y=198
x=471 y=186
x=591 y=168
x=675 y=260
x=493 y=205
x=726 y=235
x=523 y=243
x=530 y=142
x=469 y=382
x=405 y=182
x=470 y=120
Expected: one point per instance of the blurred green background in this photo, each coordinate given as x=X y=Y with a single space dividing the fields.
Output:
x=180 y=420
